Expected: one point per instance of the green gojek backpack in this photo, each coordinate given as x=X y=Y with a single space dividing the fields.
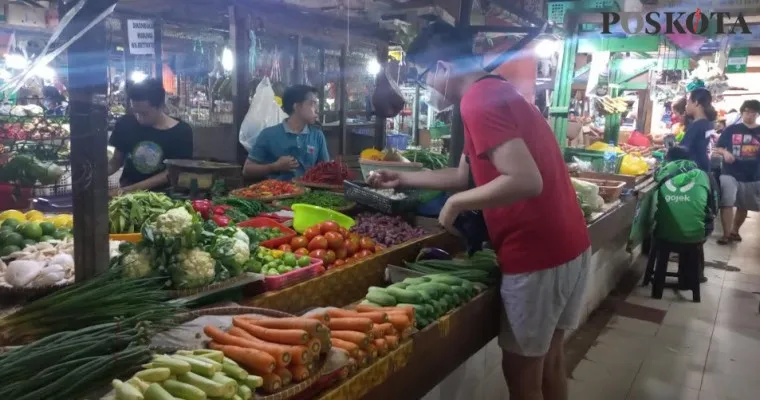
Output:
x=682 y=202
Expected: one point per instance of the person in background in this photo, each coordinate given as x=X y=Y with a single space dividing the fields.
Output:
x=699 y=133
x=520 y=180
x=143 y=139
x=286 y=150
x=740 y=178
x=687 y=201
x=53 y=101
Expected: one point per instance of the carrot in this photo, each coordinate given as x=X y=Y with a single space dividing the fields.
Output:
x=399 y=312
x=358 y=338
x=280 y=353
x=400 y=322
x=321 y=316
x=409 y=310
x=324 y=340
x=351 y=348
x=272 y=382
x=300 y=372
x=392 y=342
x=222 y=337
x=378 y=317
x=281 y=336
x=285 y=376
x=350 y=324
x=315 y=347
x=371 y=352
x=312 y=326
x=380 y=330
x=361 y=358
x=256 y=360
x=341 y=313
x=406 y=333
x=298 y=354
x=381 y=346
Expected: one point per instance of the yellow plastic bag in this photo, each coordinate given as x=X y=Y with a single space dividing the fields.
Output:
x=634 y=165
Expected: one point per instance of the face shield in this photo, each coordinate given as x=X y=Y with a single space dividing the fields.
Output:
x=436 y=81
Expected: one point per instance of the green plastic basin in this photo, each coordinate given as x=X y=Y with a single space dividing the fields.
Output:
x=307 y=215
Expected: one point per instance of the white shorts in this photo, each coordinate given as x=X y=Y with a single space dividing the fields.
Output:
x=538 y=303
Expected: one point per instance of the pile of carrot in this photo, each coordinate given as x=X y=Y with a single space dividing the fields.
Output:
x=280 y=350
x=367 y=333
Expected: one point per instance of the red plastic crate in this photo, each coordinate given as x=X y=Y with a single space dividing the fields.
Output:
x=14 y=197
x=275 y=217
x=261 y=222
x=293 y=277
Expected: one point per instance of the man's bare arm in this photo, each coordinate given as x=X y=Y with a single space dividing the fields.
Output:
x=447 y=179
x=154 y=181
x=116 y=162
x=252 y=169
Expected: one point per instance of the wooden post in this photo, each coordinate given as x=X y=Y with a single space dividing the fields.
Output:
x=342 y=102
x=298 y=77
x=87 y=84
x=158 y=55
x=240 y=73
x=382 y=59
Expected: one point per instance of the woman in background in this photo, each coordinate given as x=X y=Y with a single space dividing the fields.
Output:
x=700 y=131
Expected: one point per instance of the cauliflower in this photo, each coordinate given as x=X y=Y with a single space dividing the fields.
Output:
x=174 y=221
x=232 y=253
x=235 y=233
x=136 y=264
x=195 y=269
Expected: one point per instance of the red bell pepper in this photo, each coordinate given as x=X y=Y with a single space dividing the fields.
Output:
x=221 y=209
x=203 y=207
x=221 y=220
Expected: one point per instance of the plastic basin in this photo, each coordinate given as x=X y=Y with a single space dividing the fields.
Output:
x=307 y=215
x=126 y=237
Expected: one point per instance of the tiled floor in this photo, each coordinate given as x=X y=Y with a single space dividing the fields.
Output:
x=700 y=351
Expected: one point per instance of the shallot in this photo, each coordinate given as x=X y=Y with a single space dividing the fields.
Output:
x=385 y=229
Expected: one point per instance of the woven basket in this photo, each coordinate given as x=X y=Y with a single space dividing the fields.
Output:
x=240 y=280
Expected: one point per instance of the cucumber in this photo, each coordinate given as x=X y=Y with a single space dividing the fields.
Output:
x=126 y=391
x=375 y=288
x=141 y=385
x=233 y=371
x=415 y=281
x=244 y=392
x=430 y=310
x=154 y=374
x=369 y=303
x=450 y=300
x=200 y=366
x=400 y=285
x=446 y=279
x=469 y=287
x=419 y=310
x=440 y=287
x=215 y=355
x=176 y=366
x=425 y=297
x=404 y=296
x=184 y=390
x=156 y=392
x=211 y=388
x=253 y=381
x=381 y=298
x=460 y=291
x=230 y=385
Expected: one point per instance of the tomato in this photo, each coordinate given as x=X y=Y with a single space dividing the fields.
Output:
x=328 y=226
x=311 y=232
x=350 y=247
x=339 y=263
x=320 y=270
x=366 y=243
x=303 y=251
x=379 y=248
x=298 y=242
x=343 y=232
x=318 y=242
x=286 y=248
x=341 y=253
x=329 y=257
x=320 y=254
x=334 y=240
x=365 y=253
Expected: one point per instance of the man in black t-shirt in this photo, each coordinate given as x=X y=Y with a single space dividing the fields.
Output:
x=145 y=138
x=740 y=176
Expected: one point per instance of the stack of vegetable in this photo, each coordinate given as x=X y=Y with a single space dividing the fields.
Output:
x=268 y=189
x=431 y=296
x=251 y=208
x=16 y=235
x=333 y=244
x=276 y=262
x=131 y=212
x=327 y=173
x=191 y=375
x=389 y=193
x=482 y=267
x=280 y=350
x=427 y=158
x=221 y=215
x=186 y=253
x=258 y=235
x=319 y=198
x=588 y=196
x=386 y=229
x=367 y=332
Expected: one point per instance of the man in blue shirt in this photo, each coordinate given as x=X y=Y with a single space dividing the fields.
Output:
x=286 y=150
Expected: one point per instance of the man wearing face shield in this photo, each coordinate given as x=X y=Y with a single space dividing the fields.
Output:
x=286 y=150
x=528 y=202
x=143 y=139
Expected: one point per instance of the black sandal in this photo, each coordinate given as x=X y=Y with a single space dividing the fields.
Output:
x=724 y=241
x=735 y=237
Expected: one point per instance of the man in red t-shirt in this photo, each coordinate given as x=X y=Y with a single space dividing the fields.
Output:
x=528 y=202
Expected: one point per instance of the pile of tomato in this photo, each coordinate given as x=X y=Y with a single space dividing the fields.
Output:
x=332 y=244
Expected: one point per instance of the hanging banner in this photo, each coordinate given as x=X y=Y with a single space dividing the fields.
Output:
x=141 y=37
x=737 y=60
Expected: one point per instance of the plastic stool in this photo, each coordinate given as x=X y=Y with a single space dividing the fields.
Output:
x=691 y=264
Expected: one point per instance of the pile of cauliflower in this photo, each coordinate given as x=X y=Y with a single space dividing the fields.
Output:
x=176 y=247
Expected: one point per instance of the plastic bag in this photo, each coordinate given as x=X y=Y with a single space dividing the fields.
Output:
x=587 y=191
x=633 y=165
x=263 y=113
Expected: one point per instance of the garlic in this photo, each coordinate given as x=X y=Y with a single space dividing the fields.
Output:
x=21 y=272
x=50 y=275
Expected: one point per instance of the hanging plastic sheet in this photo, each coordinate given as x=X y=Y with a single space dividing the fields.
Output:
x=65 y=29
x=599 y=64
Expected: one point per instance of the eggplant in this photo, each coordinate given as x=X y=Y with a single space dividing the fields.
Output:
x=432 y=253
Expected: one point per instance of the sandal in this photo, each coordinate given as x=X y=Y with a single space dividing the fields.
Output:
x=735 y=237
x=724 y=241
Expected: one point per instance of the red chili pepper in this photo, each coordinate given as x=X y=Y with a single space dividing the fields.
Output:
x=221 y=220
x=203 y=207
x=221 y=209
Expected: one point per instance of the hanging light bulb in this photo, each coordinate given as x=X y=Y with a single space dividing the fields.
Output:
x=546 y=48
x=16 y=61
x=228 y=61
x=45 y=72
x=373 y=67
x=138 y=76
